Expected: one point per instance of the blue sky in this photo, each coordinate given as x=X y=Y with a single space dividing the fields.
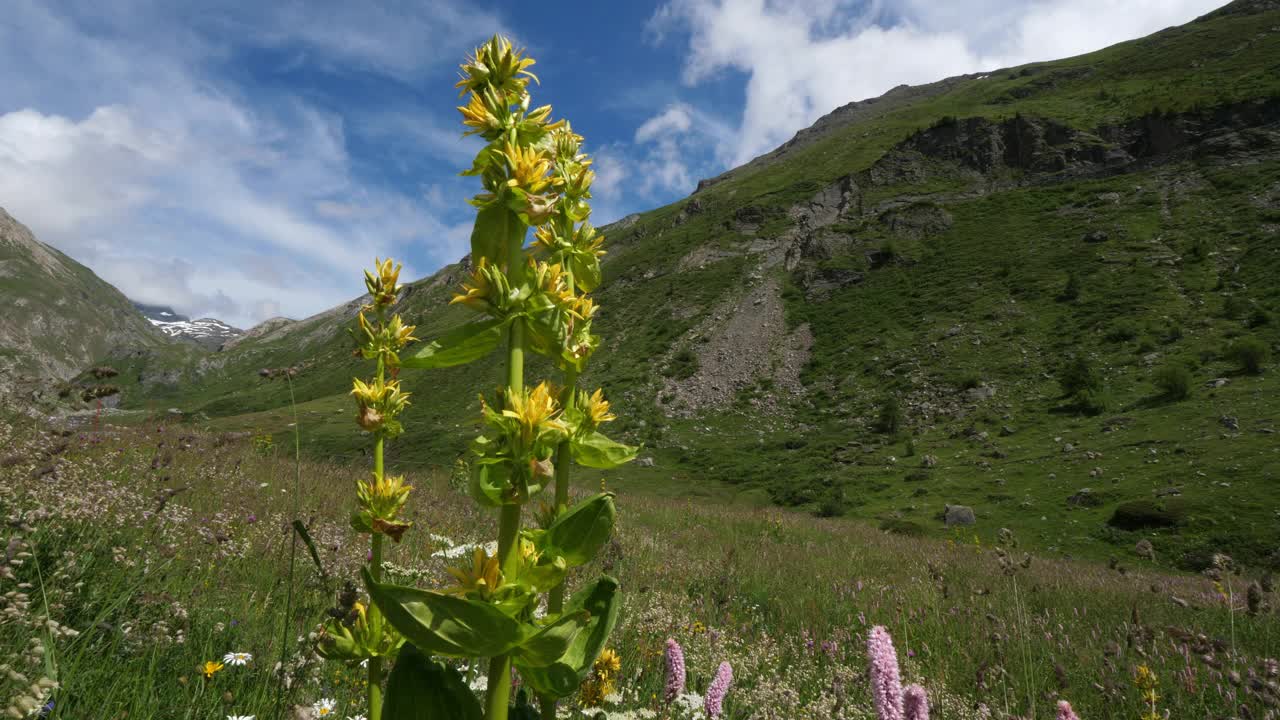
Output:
x=245 y=158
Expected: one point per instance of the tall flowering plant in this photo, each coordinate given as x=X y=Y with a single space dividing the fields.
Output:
x=358 y=632
x=530 y=299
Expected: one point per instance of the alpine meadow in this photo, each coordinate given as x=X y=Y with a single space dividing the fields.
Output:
x=960 y=404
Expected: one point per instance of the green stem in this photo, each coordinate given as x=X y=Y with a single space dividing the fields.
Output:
x=498 y=697
x=375 y=569
x=515 y=358
x=375 y=623
x=555 y=598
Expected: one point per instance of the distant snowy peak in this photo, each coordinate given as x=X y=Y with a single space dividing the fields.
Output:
x=204 y=327
x=209 y=332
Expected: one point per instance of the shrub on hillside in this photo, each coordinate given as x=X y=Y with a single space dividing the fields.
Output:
x=1122 y=331
x=1251 y=354
x=1174 y=381
x=1235 y=307
x=1093 y=402
x=898 y=526
x=889 y=419
x=683 y=365
x=831 y=502
x=1147 y=514
x=1079 y=375
x=1071 y=291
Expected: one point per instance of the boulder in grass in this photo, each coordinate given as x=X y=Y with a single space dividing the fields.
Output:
x=958 y=515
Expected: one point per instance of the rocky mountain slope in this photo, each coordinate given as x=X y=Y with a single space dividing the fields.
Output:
x=59 y=317
x=208 y=333
x=872 y=319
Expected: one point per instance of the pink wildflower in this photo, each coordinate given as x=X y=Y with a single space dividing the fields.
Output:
x=1065 y=712
x=675 y=670
x=717 y=690
x=915 y=703
x=886 y=684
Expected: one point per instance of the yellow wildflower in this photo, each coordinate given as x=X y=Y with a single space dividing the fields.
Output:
x=378 y=401
x=498 y=65
x=383 y=496
x=608 y=662
x=210 y=668
x=535 y=411
x=385 y=284
x=527 y=168
x=483 y=577
x=477 y=115
x=486 y=290
x=595 y=408
x=603 y=679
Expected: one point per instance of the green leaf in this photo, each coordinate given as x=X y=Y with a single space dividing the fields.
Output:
x=444 y=624
x=489 y=480
x=586 y=271
x=548 y=573
x=597 y=451
x=420 y=688
x=547 y=331
x=459 y=346
x=547 y=644
x=579 y=532
x=492 y=233
x=562 y=677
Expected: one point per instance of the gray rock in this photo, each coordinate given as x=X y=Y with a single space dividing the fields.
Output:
x=1230 y=422
x=1084 y=497
x=982 y=392
x=1006 y=431
x=644 y=462
x=1217 y=382
x=961 y=515
x=1144 y=549
x=1096 y=236
x=929 y=461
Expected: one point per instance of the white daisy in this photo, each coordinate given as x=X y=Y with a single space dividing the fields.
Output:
x=324 y=708
x=237 y=658
x=355 y=717
x=239 y=717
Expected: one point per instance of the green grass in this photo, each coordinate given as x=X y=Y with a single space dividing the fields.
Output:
x=159 y=593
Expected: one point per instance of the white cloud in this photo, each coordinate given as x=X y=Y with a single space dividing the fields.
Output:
x=399 y=37
x=803 y=60
x=670 y=151
x=128 y=152
x=676 y=118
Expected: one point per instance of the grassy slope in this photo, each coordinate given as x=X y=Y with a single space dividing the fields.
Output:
x=62 y=316
x=996 y=272
x=161 y=587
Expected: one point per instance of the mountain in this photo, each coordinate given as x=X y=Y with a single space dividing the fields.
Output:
x=208 y=333
x=873 y=319
x=59 y=317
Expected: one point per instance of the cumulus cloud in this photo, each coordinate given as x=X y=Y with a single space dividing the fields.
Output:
x=802 y=60
x=120 y=145
x=669 y=152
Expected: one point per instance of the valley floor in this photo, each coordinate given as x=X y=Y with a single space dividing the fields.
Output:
x=136 y=555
